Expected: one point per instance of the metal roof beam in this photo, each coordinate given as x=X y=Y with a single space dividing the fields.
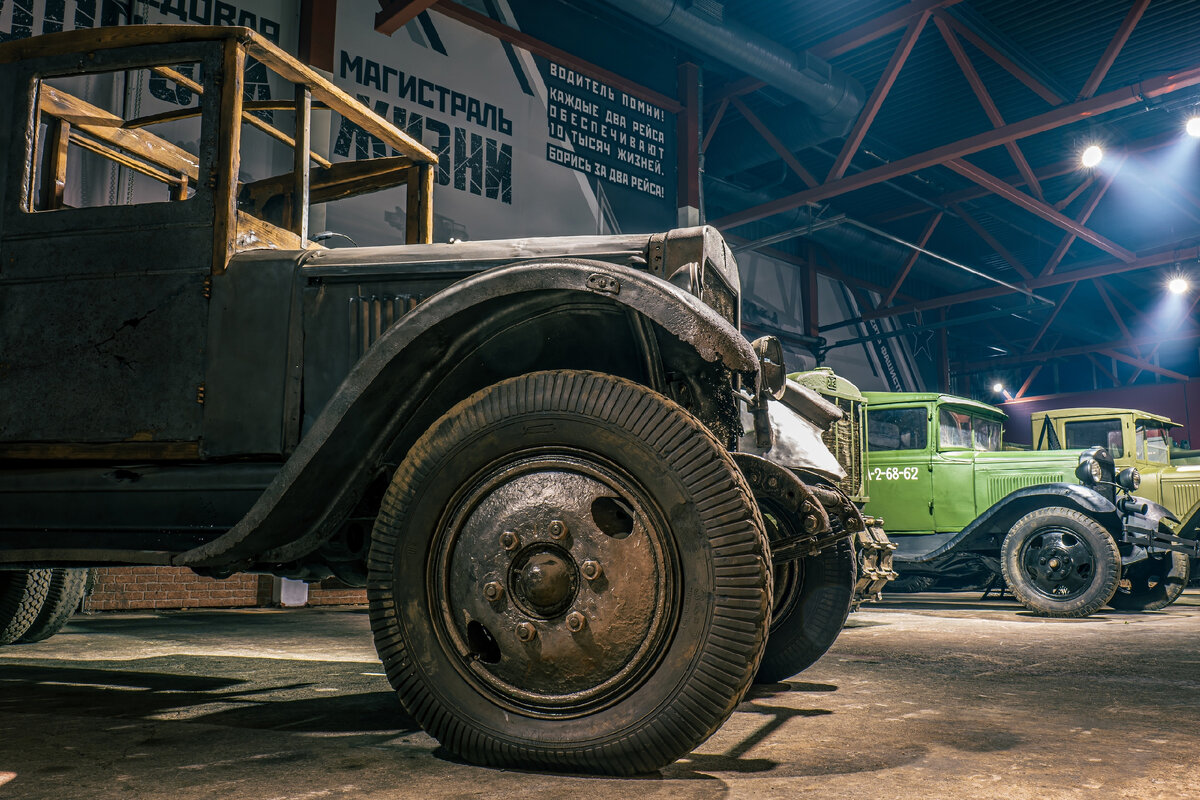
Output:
x=776 y=145
x=1155 y=86
x=1062 y=301
x=876 y=28
x=1103 y=347
x=395 y=15
x=992 y=242
x=1113 y=50
x=1084 y=214
x=912 y=258
x=975 y=29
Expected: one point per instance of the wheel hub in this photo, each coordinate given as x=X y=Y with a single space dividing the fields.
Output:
x=555 y=576
x=544 y=580
x=1059 y=563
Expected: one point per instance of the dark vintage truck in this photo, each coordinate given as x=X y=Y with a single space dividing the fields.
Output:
x=543 y=458
x=1061 y=528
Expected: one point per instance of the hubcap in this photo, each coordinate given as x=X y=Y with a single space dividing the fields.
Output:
x=1058 y=563
x=590 y=594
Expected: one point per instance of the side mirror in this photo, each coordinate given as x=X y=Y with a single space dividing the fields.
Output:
x=772 y=371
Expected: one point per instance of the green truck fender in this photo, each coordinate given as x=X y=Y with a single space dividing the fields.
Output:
x=400 y=386
x=987 y=531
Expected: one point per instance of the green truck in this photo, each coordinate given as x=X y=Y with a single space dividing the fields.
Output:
x=1062 y=528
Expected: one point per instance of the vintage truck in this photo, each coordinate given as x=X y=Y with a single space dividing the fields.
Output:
x=959 y=506
x=1139 y=439
x=544 y=458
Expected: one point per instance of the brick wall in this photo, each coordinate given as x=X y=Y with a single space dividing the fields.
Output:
x=123 y=588
x=128 y=588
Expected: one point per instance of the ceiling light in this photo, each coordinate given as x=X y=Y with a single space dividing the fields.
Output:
x=1092 y=156
x=1178 y=285
x=1193 y=127
x=997 y=387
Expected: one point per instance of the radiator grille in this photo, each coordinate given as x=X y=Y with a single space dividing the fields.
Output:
x=844 y=440
x=1000 y=486
x=371 y=316
x=1185 y=496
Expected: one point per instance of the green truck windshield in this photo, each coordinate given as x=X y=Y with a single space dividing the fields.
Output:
x=959 y=430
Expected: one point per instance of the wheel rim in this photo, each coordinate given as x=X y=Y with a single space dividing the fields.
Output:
x=788 y=576
x=553 y=579
x=1059 y=563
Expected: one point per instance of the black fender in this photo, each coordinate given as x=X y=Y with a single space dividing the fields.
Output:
x=986 y=532
x=423 y=365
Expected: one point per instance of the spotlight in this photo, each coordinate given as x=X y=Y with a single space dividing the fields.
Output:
x=1092 y=156
x=997 y=387
x=1193 y=127
x=1178 y=285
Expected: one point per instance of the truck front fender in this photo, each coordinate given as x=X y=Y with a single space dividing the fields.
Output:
x=437 y=355
x=986 y=532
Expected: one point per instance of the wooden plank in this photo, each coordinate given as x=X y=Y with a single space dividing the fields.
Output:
x=228 y=158
x=419 y=207
x=54 y=170
x=253 y=233
x=115 y=155
x=179 y=78
x=102 y=125
x=298 y=224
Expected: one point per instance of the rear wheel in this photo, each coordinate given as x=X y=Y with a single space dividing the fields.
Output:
x=63 y=596
x=1059 y=562
x=22 y=595
x=1152 y=583
x=569 y=572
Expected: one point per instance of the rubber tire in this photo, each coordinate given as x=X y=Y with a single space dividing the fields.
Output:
x=910 y=584
x=1103 y=546
x=67 y=588
x=812 y=613
x=22 y=595
x=708 y=659
x=1161 y=595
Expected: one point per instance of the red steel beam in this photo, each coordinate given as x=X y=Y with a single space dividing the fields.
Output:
x=1112 y=310
x=1101 y=347
x=523 y=40
x=1104 y=369
x=1142 y=364
x=989 y=106
x=1040 y=89
x=687 y=132
x=878 y=95
x=735 y=89
x=1046 y=323
x=395 y=15
x=992 y=242
x=1114 y=48
x=1028 y=381
x=875 y=28
x=1084 y=214
x=1055 y=170
x=912 y=258
x=1078 y=190
x=712 y=126
x=1087 y=271
x=1149 y=88
x=318 y=19
x=772 y=140
x=1034 y=206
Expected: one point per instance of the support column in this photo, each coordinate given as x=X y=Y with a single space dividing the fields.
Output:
x=943 y=355
x=687 y=132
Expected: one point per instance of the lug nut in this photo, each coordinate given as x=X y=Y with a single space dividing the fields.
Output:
x=493 y=591
x=526 y=632
x=576 y=622
x=509 y=540
x=811 y=523
x=591 y=570
x=558 y=529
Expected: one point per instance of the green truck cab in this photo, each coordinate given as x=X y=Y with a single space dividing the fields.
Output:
x=959 y=506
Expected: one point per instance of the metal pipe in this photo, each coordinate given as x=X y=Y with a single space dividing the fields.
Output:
x=829 y=93
x=1028 y=292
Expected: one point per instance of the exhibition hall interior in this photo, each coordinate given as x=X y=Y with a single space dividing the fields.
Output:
x=686 y=398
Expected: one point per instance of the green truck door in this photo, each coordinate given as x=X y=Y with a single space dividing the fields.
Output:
x=953 y=470
x=899 y=476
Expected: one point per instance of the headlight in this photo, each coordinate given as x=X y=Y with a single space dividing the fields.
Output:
x=1129 y=479
x=1088 y=471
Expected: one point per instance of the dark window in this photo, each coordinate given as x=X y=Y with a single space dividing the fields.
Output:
x=897 y=429
x=1104 y=433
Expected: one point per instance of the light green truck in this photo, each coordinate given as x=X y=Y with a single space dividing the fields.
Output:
x=1061 y=527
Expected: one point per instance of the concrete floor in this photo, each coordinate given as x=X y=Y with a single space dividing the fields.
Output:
x=924 y=696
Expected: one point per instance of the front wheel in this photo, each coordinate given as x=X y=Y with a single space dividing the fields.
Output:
x=1152 y=583
x=569 y=572
x=1059 y=562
